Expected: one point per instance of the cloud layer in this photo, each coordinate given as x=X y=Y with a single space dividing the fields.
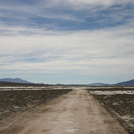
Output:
x=72 y=41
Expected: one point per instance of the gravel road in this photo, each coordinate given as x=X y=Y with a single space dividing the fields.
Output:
x=75 y=112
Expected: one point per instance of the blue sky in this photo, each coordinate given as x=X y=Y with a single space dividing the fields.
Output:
x=70 y=41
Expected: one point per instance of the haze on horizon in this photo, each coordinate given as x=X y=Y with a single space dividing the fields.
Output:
x=68 y=42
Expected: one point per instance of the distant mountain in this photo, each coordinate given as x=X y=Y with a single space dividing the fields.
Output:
x=99 y=84
x=16 y=80
x=58 y=84
x=40 y=83
x=126 y=83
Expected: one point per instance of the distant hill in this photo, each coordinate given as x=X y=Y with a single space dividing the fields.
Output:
x=126 y=83
x=2 y=83
x=16 y=80
x=98 y=84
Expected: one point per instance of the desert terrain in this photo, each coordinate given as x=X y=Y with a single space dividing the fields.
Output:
x=66 y=110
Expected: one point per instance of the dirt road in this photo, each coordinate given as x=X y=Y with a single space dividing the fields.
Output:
x=75 y=112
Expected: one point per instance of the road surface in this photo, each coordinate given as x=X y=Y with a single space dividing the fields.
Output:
x=74 y=113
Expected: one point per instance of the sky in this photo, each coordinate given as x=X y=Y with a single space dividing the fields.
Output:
x=67 y=41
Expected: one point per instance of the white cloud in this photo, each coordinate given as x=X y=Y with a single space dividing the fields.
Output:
x=46 y=9
x=82 y=52
x=87 y=4
x=105 y=51
x=108 y=2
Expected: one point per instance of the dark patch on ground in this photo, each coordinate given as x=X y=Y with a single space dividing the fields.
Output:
x=15 y=101
x=123 y=104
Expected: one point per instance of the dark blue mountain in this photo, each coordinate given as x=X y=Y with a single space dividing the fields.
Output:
x=99 y=84
x=126 y=83
x=16 y=80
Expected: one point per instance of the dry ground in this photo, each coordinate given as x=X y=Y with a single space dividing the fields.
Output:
x=19 y=99
x=75 y=112
x=120 y=105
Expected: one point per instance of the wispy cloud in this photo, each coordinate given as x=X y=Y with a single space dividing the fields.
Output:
x=77 y=38
x=67 y=14
x=86 y=50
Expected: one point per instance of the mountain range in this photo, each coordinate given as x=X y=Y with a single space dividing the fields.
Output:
x=99 y=84
x=18 y=80
x=126 y=83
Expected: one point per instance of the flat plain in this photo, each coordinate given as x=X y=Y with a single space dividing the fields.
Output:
x=66 y=109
